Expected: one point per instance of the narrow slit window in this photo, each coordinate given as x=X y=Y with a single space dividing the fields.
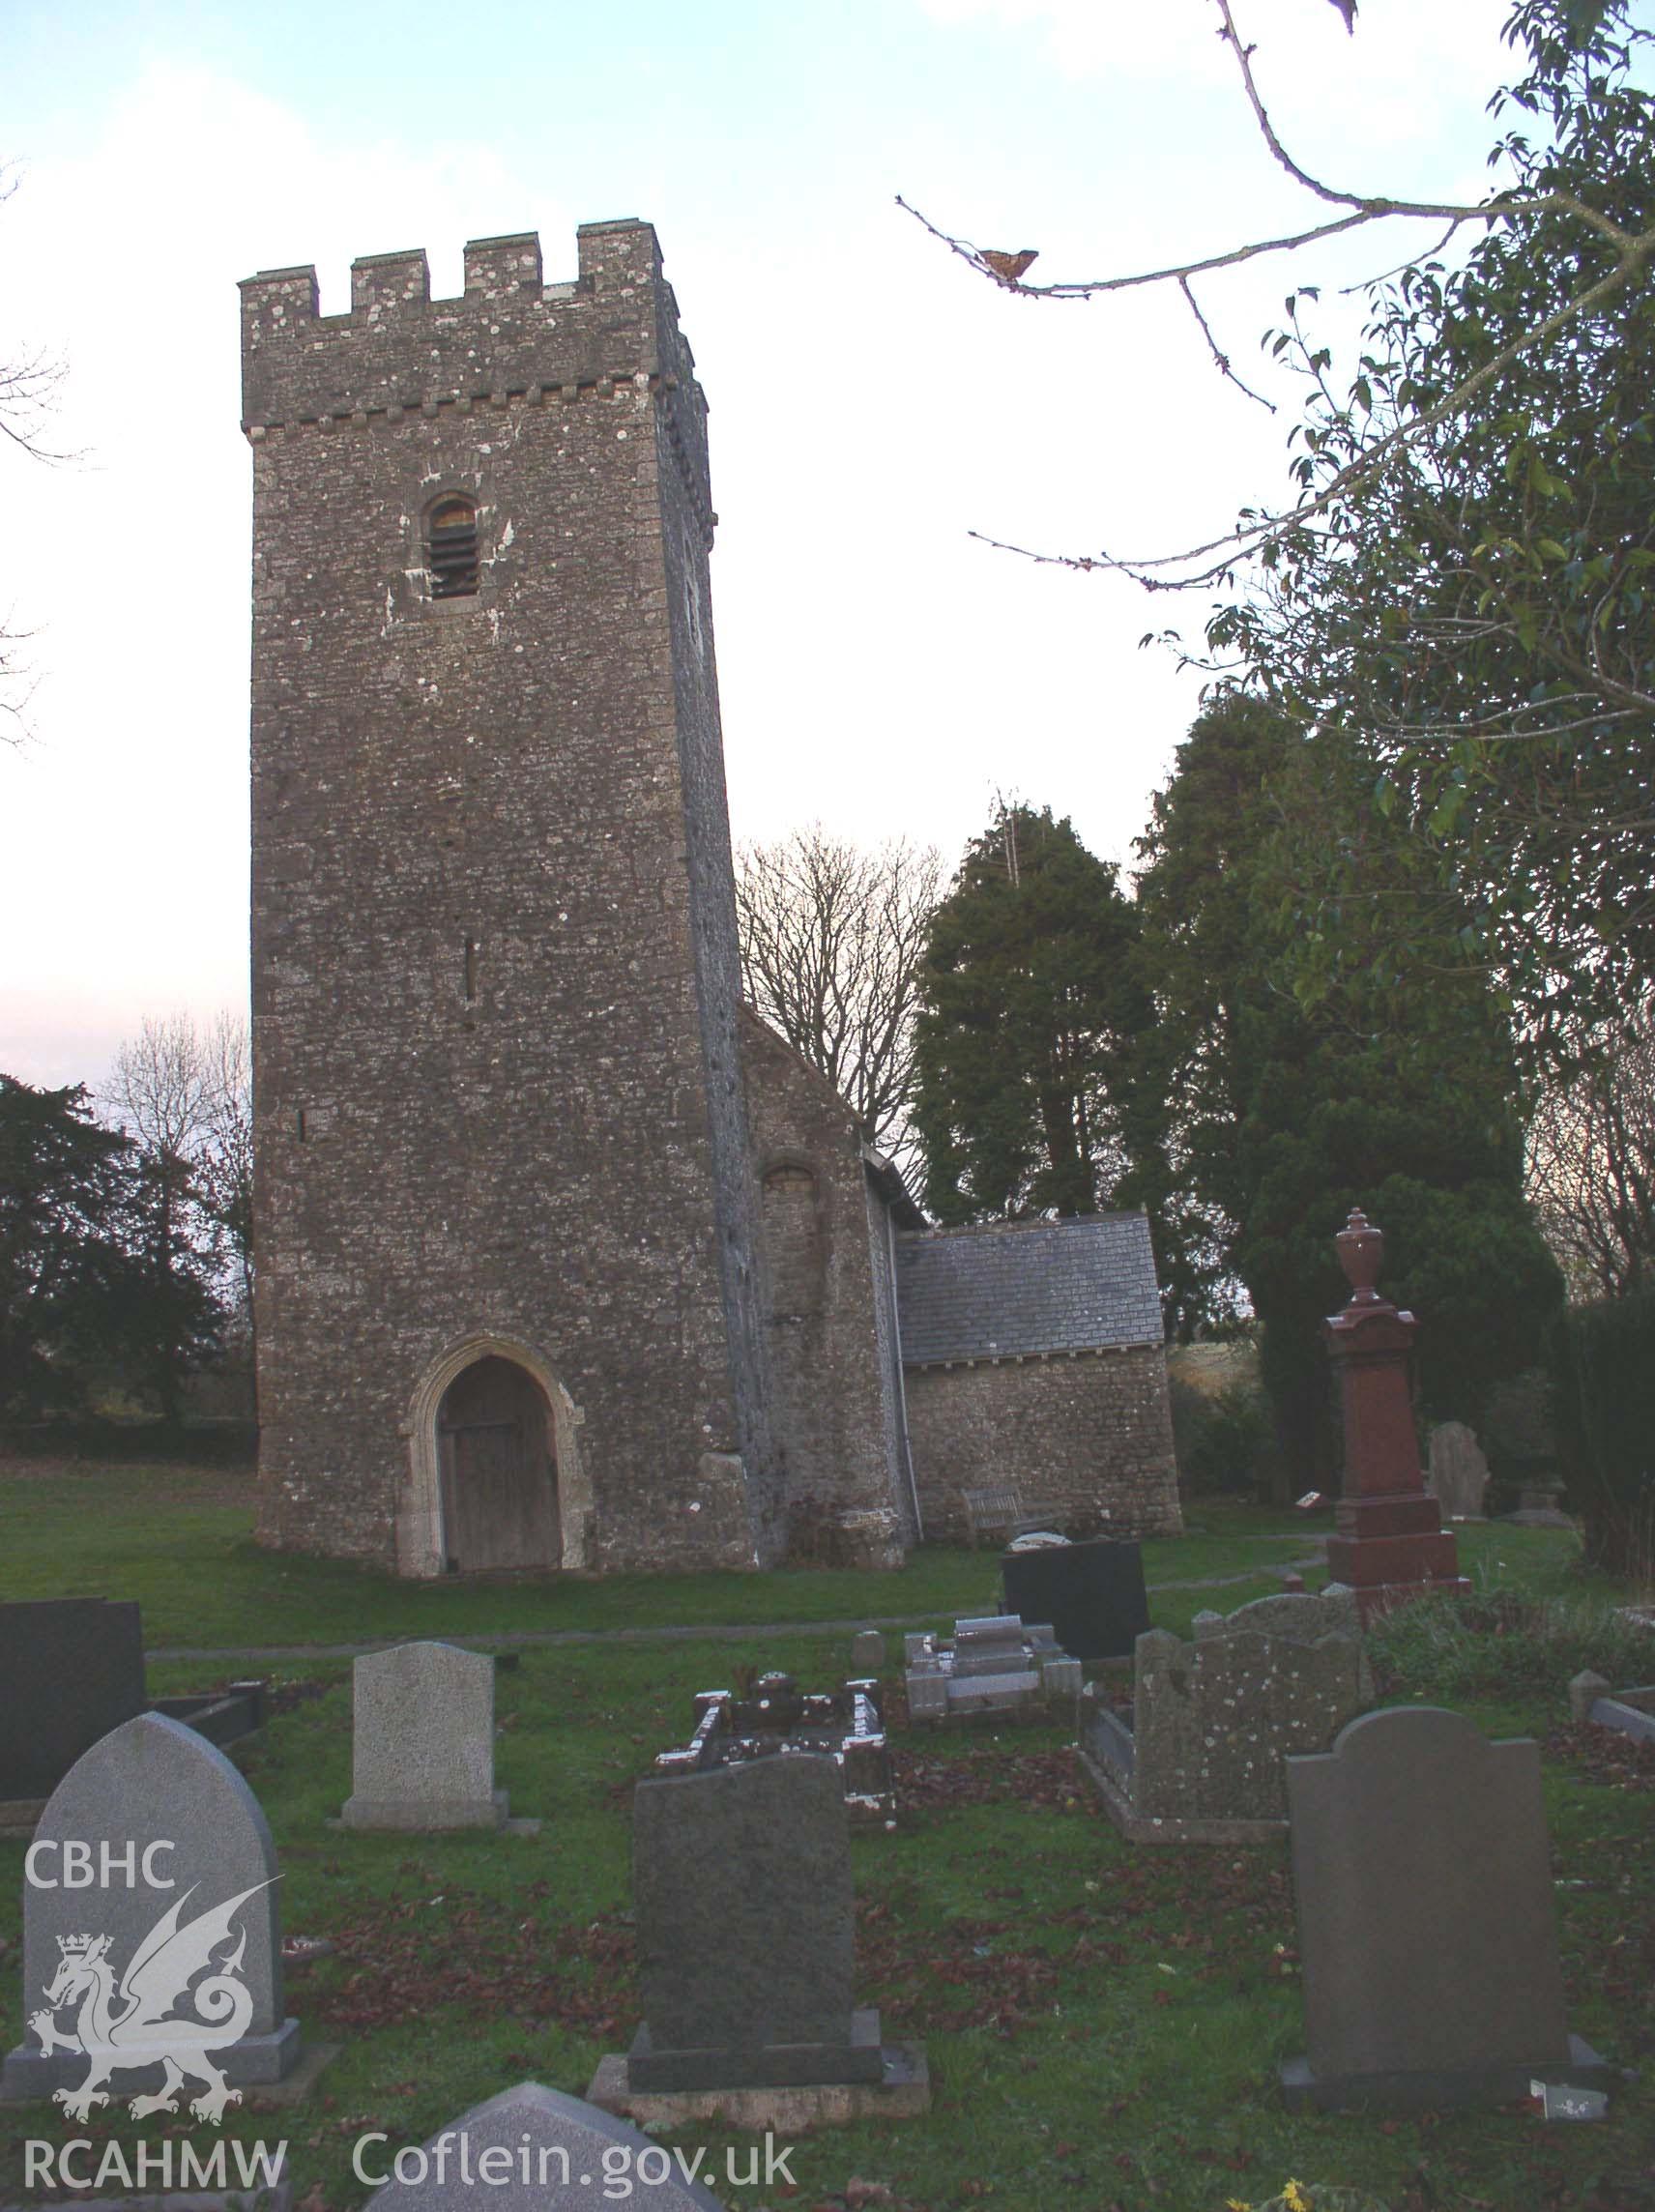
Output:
x=451 y=549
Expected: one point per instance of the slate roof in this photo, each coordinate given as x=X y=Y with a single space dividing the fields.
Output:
x=1008 y=1292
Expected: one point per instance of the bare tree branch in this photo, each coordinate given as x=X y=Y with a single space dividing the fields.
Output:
x=831 y=941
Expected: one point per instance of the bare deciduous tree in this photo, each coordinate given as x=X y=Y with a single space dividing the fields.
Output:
x=1592 y=1168
x=831 y=941
x=1548 y=27
x=186 y=1095
x=28 y=389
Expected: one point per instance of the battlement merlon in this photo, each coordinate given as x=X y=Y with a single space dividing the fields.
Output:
x=508 y=331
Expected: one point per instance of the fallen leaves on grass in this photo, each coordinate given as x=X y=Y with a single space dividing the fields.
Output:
x=927 y=1781
x=479 y=1955
x=1604 y=1755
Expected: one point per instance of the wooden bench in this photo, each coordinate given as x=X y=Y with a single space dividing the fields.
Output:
x=1001 y=1511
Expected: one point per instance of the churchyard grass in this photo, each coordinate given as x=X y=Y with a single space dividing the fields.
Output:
x=179 y=1539
x=1103 y=2021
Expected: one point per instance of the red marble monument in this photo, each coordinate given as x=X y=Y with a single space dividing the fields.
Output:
x=1390 y=1543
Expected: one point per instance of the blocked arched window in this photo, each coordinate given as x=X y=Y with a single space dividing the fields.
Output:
x=793 y=1240
x=451 y=547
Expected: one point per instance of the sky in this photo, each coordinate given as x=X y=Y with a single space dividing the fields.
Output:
x=873 y=402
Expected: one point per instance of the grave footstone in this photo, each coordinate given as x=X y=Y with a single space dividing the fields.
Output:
x=1458 y=1472
x=1427 y=1929
x=533 y=2149
x=422 y=1741
x=152 y=1945
x=1093 y=1595
x=73 y=1668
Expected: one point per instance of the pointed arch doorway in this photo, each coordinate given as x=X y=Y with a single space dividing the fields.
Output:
x=497 y=1484
x=497 y=1470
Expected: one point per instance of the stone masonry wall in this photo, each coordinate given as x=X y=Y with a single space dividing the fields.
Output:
x=494 y=976
x=836 y=1408
x=1090 y=1434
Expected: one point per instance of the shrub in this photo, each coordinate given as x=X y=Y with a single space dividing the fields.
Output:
x=1499 y=1643
x=1224 y=1440
x=1603 y=1363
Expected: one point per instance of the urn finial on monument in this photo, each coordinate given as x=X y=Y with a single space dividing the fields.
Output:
x=1390 y=1543
x=1361 y=1249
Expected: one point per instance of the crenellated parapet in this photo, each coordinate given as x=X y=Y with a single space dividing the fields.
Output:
x=508 y=340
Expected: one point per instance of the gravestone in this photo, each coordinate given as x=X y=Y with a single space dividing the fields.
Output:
x=1200 y=1758
x=867 y=1653
x=743 y=1903
x=422 y=1741
x=1458 y=1472
x=1093 y=1595
x=152 y=1875
x=73 y=1668
x=1427 y=1932
x=531 y=2149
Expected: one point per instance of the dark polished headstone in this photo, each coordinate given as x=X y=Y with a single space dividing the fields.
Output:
x=1426 y=1924
x=73 y=1668
x=743 y=1900
x=1091 y=1593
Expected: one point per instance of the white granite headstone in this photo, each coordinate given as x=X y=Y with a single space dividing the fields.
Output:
x=151 y=1940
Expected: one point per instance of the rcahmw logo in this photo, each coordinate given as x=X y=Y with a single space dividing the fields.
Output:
x=129 y=2024
x=81 y=2163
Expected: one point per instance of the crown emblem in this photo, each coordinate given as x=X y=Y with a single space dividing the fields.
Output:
x=83 y=1946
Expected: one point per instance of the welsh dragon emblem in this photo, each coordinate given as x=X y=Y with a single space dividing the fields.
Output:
x=131 y=2027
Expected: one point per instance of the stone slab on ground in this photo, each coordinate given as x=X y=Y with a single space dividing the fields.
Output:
x=902 y=2092
x=1437 y=2089
x=533 y=2149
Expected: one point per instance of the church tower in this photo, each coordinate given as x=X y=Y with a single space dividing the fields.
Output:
x=508 y=1306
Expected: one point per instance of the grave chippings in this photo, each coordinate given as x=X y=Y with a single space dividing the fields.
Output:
x=995 y=1664
x=777 y=1717
x=423 y=1740
x=1092 y=1593
x=1199 y=1757
x=1427 y=1929
x=531 y=2149
x=152 y=1941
